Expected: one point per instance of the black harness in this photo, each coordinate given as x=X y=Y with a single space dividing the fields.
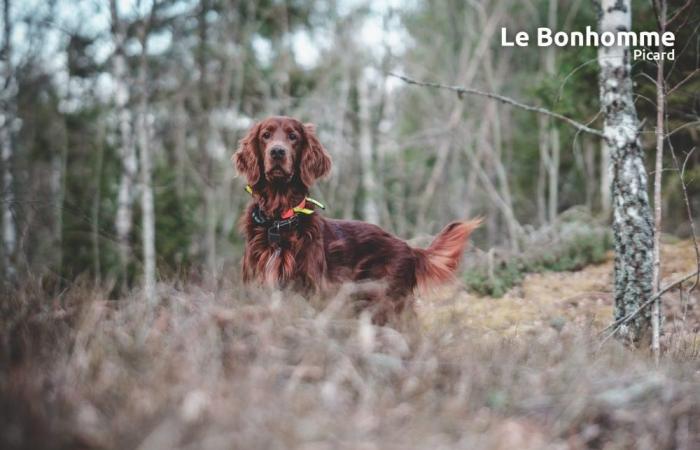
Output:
x=274 y=227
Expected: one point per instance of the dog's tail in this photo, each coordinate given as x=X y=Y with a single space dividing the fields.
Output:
x=438 y=263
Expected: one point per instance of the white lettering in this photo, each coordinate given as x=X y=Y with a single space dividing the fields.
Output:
x=561 y=39
x=590 y=38
x=668 y=38
x=504 y=39
x=521 y=39
x=607 y=39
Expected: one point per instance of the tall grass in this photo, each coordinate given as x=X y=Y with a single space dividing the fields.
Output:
x=231 y=368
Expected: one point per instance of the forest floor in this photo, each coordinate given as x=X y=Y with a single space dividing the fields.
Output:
x=227 y=367
x=582 y=298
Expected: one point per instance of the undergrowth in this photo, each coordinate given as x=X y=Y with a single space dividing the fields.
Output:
x=231 y=368
x=569 y=245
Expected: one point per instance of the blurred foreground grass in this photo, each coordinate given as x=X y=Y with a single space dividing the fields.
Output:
x=236 y=368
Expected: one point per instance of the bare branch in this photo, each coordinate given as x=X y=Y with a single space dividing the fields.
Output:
x=463 y=90
x=618 y=323
x=680 y=127
x=689 y=212
x=683 y=81
x=679 y=12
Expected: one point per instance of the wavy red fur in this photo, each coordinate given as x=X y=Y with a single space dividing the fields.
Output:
x=439 y=262
x=320 y=253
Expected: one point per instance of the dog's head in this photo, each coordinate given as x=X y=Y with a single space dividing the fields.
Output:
x=281 y=150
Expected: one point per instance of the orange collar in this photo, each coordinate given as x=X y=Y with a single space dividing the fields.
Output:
x=298 y=209
x=290 y=212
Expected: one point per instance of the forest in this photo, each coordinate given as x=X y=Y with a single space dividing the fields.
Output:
x=574 y=318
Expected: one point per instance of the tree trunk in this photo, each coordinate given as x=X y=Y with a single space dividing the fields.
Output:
x=632 y=219
x=96 y=206
x=341 y=160
x=370 y=211
x=542 y=172
x=204 y=142
x=551 y=154
x=58 y=188
x=605 y=179
x=147 y=207
x=553 y=172
x=9 y=230
x=127 y=152
x=588 y=147
x=7 y=200
x=658 y=170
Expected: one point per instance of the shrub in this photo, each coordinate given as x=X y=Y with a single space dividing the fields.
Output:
x=571 y=244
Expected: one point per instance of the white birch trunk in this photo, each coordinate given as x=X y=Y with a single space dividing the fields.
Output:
x=147 y=207
x=605 y=179
x=632 y=218
x=147 y=203
x=370 y=210
x=96 y=206
x=58 y=166
x=9 y=231
x=554 y=147
x=127 y=152
x=658 y=171
x=588 y=147
x=542 y=170
x=340 y=155
x=7 y=128
x=553 y=172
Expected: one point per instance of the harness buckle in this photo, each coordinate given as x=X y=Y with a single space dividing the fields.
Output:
x=273 y=234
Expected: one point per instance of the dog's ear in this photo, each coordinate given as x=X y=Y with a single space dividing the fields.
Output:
x=315 y=160
x=246 y=157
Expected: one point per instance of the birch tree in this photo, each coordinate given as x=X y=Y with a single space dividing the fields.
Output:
x=632 y=220
x=147 y=208
x=370 y=209
x=660 y=7
x=127 y=152
x=549 y=135
x=7 y=129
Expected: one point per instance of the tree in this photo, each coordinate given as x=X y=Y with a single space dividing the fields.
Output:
x=633 y=232
x=7 y=130
x=549 y=137
x=660 y=6
x=142 y=130
x=370 y=210
x=127 y=152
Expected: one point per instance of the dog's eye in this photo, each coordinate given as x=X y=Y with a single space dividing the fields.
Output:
x=266 y=135
x=292 y=136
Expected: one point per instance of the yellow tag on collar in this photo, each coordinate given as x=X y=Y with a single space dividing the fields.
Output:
x=303 y=210
x=296 y=209
x=315 y=202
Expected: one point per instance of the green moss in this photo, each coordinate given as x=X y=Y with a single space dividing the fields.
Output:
x=570 y=246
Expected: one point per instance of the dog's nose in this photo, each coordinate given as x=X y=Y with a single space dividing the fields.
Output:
x=277 y=153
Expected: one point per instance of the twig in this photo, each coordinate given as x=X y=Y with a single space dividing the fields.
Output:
x=680 y=127
x=683 y=81
x=464 y=90
x=679 y=11
x=615 y=325
x=688 y=209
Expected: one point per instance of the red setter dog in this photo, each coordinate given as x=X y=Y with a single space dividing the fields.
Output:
x=288 y=244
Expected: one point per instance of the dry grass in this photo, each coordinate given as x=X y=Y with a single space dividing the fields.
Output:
x=582 y=299
x=227 y=368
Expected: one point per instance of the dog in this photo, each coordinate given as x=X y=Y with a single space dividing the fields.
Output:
x=288 y=244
